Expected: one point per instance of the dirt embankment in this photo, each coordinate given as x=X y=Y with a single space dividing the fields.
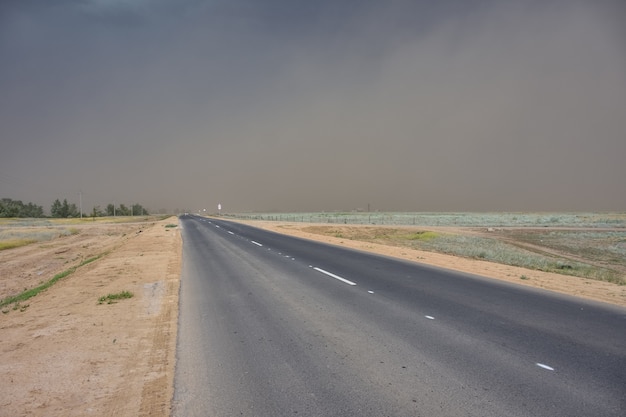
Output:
x=63 y=353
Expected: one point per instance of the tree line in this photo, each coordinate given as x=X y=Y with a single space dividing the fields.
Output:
x=58 y=209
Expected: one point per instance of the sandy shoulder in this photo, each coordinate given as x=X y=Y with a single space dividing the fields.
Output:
x=67 y=355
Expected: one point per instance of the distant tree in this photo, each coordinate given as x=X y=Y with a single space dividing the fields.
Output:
x=138 y=210
x=65 y=209
x=9 y=208
x=16 y=208
x=31 y=210
x=56 y=210
x=123 y=210
x=73 y=211
x=96 y=212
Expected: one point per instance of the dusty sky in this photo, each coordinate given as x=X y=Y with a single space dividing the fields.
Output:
x=315 y=105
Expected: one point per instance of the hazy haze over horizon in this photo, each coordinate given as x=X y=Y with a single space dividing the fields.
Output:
x=309 y=106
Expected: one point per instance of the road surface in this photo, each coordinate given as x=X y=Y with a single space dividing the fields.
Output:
x=272 y=325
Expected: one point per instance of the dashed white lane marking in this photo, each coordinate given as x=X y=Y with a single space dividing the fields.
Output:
x=217 y=226
x=230 y=232
x=330 y=274
x=256 y=243
x=430 y=317
x=541 y=365
x=371 y=292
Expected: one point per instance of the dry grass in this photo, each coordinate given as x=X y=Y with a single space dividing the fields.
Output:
x=20 y=232
x=14 y=237
x=15 y=243
x=598 y=255
x=459 y=219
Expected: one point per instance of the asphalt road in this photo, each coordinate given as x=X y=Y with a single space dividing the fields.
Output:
x=272 y=325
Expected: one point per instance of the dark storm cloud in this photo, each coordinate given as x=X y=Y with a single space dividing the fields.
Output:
x=326 y=105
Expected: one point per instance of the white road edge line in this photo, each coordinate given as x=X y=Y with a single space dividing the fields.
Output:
x=330 y=274
x=256 y=243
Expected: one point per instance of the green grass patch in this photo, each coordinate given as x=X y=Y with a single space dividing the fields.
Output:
x=112 y=298
x=34 y=291
x=423 y=236
x=167 y=226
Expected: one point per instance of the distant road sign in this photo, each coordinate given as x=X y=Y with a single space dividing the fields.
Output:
x=219 y=206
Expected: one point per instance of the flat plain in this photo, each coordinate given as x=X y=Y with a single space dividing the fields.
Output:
x=63 y=352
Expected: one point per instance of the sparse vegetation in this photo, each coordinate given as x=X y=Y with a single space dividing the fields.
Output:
x=29 y=293
x=615 y=220
x=15 y=234
x=170 y=225
x=598 y=254
x=16 y=306
x=112 y=298
x=20 y=232
x=20 y=307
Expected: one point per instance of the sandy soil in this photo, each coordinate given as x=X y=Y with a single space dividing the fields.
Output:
x=63 y=353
